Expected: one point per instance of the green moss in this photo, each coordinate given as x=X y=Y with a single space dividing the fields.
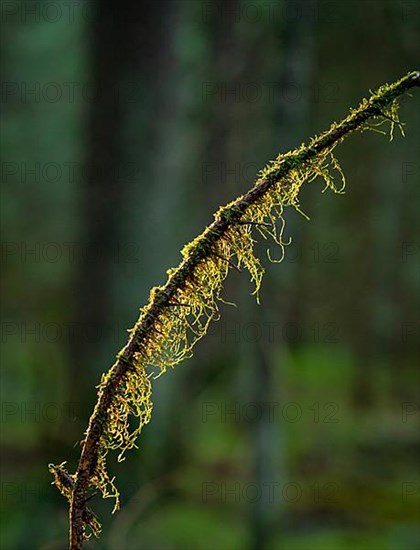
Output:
x=168 y=329
x=172 y=339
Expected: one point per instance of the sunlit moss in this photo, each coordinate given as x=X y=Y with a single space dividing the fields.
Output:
x=170 y=336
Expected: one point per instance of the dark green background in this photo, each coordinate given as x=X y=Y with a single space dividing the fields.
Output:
x=125 y=125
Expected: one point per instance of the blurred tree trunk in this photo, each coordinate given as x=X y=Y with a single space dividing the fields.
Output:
x=100 y=198
x=284 y=61
x=119 y=37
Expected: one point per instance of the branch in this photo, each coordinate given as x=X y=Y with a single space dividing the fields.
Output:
x=229 y=235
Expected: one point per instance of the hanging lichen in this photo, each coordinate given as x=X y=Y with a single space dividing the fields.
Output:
x=178 y=314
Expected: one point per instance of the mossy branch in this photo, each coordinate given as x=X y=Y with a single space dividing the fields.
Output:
x=178 y=313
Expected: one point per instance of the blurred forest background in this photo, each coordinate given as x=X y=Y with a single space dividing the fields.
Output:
x=124 y=127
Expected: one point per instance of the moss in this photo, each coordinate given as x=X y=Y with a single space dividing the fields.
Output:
x=179 y=313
